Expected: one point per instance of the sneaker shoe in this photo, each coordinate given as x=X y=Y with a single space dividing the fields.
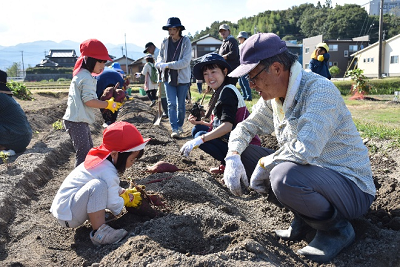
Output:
x=107 y=235
x=175 y=134
x=180 y=130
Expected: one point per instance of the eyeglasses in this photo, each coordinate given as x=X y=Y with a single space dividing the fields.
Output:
x=101 y=61
x=253 y=80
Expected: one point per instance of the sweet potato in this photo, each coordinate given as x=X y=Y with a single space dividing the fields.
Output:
x=107 y=93
x=119 y=95
x=163 y=166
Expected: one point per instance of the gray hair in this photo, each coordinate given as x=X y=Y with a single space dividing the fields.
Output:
x=285 y=58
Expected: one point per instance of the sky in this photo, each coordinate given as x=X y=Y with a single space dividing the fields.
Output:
x=117 y=22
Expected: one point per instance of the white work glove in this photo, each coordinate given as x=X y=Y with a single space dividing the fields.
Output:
x=259 y=180
x=161 y=65
x=234 y=173
x=190 y=145
x=137 y=75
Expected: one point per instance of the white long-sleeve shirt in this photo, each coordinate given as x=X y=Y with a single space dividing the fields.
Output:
x=105 y=171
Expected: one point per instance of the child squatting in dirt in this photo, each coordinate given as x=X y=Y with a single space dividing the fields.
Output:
x=93 y=186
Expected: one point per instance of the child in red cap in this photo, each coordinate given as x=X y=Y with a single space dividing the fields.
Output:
x=82 y=97
x=93 y=186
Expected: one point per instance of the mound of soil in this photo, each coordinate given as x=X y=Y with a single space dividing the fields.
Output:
x=204 y=225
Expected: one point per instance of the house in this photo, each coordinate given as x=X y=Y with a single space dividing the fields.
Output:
x=137 y=66
x=59 y=58
x=391 y=7
x=296 y=49
x=368 y=58
x=205 y=45
x=123 y=62
x=339 y=50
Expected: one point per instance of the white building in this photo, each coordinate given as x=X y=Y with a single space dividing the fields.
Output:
x=389 y=7
x=368 y=58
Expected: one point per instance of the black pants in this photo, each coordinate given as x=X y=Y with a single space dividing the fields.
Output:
x=152 y=94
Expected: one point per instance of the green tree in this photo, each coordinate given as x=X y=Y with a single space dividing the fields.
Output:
x=334 y=71
x=13 y=70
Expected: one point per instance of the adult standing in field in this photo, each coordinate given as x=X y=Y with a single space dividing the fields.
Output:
x=174 y=62
x=82 y=97
x=321 y=172
x=151 y=49
x=15 y=130
x=108 y=78
x=149 y=85
x=319 y=60
x=244 y=84
x=229 y=50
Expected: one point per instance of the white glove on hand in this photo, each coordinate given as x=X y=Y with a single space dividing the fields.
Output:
x=137 y=75
x=259 y=180
x=234 y=173
x=190 y=145
x=161 y=65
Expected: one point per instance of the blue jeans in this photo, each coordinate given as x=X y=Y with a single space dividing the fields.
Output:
x=244 y=85
x=199 y=87
x=176 y=96
x=215 y=148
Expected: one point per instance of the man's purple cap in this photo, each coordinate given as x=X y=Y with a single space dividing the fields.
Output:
x=258 y=47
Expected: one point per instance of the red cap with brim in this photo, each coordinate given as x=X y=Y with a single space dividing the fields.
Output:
x=121 y=137
x=91 y=48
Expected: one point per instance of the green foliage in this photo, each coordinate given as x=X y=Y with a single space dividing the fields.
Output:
x=361 y=83
x=13 y=70
x=334 y=71
x=49 y=70
x=20 y=91
x=385 y=86
x=63 y=80
x=376 y=130
x=57 y=125
x=4 y=157
x=307 y=20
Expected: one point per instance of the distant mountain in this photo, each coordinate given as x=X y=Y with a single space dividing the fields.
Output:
x=34 y=52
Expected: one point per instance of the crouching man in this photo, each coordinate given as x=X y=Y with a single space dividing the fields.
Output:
x=321 y=172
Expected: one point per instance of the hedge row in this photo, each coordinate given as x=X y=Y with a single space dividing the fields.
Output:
x=48 y=70
x=385 y=86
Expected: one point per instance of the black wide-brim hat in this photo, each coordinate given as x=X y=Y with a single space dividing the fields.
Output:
x=173 y=22
x=209 y=59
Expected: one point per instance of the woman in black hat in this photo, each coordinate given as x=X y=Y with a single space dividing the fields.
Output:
x=174 y=62
x=15 y=131
x=226 y=108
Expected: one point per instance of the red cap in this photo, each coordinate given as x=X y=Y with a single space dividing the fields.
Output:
x=91 y=48
x=121 y=137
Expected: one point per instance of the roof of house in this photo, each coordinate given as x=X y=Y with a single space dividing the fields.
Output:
x=47 y=63
x=373 y=45
x=62 y=53
x=205 y=37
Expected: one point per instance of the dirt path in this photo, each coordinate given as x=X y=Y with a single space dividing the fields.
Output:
x=206 y=225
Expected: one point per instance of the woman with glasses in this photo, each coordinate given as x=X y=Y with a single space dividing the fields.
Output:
x=174 y=61
x=226 y=108
x=82 y=97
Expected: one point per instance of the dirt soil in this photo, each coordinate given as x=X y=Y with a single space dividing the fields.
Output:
x=205 y=224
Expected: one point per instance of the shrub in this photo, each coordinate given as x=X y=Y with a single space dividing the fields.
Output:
x=20 y=91
x=334 y=71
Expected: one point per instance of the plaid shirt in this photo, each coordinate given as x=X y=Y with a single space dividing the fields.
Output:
x=316 y=129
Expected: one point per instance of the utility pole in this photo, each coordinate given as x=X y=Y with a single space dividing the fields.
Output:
x=380 y=42
x=23 y=68
x=126 y=58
